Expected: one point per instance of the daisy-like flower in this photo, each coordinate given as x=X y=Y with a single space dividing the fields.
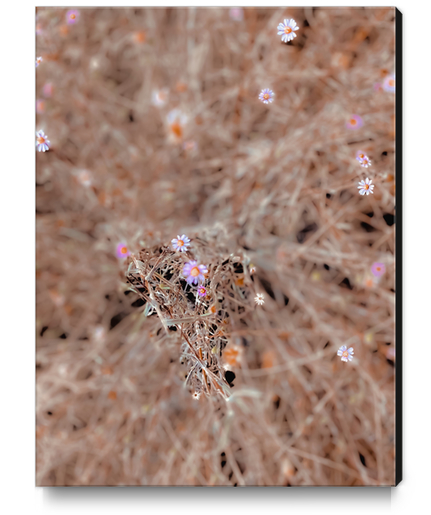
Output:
x=360 y=154
x=389 y=83
x=259 y=299
x=266 y=96
x=42 y=142
x=181 y=243
x=122 y=251
x=202 y=291
x=354 y=122
x=47 y=90
x=236 y=13
x=38 y=61
x=345 y=353
x=196 y=395
x=72 y=16
x=365 y=161
x=194 y=273
x=287 y=30
x=365 y=187
x=159 y=97
x=40 y=106
x=176 y=122
x=378 y=269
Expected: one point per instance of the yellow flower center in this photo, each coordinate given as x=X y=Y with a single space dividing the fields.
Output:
x=194 y=272
x=392 y=82
x=353 y=121
x=180 y=243
x=266 y=96
x=366 y=187
x=72 y=16
x=287 y=30
x=177 y=130
x=123 y=250
x=362 y=156
x=345 y=354
x=40 y=140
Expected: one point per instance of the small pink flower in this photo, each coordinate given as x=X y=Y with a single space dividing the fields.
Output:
x=354 y=122
x=378 y=86
x=194 y=273
x=360 y=154
x=47 y=90
x=122 y=251
x=378 y=269
x=72 y=16
x=345 y=353
x=202 y=291
x=236 y=13
x=40 y=106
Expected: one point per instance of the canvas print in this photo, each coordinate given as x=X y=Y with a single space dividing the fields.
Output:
x=216 y=246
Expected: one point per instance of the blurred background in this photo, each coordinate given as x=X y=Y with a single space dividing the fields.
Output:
x=156 y=129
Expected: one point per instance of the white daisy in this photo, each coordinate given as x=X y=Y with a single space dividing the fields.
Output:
x=181 y=243
x=42 y=142
x=286 y=30
x=259 y=299
x=365 y=162
x=365 y=187
x=345 y=353
x=266 y=96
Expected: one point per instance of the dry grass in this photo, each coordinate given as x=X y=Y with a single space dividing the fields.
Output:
x=272 y=185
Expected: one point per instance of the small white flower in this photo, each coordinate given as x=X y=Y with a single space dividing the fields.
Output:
x=181 y=243
x=266 y=96
x=365 y=187
x=42 y=142
x=345 y=353
x=259 y=299
x=389 y=83
x=196 y=395
x=38 y=61
x=286 y=30
x=365 y=162
x=160 y=97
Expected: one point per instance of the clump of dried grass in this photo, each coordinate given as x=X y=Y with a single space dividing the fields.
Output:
x=276 y=184
x=200 y=323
